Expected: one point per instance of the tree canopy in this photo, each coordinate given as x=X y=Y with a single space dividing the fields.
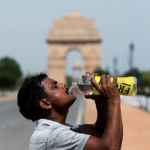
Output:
x=69 y=81
x=138 y=74
x=100 y=71
x=146 y=78
x=10 y=72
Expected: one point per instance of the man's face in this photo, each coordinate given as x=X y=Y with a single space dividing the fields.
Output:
x=57 y=94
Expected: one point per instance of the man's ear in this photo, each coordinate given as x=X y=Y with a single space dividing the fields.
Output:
x=45 y=104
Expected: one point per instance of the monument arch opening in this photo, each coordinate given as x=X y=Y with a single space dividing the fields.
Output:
x=72 y=32
x=73 y=65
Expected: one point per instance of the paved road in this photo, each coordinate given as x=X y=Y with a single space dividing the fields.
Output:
x=15 y=131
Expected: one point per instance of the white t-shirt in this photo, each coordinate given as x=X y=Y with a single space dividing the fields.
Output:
x=50 y=135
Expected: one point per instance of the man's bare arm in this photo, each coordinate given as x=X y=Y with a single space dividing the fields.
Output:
x=98 y=127
x=111 y=136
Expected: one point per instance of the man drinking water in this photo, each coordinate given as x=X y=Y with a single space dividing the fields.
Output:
x=46 y=102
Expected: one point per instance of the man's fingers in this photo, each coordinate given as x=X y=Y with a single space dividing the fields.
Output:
x=83 y=76
x=88 y=96
x=88 y=73
x=114 y=79
x=93 y=79
x=95 y=84
x=95 y=74
x=103 y=81
x=108 y=80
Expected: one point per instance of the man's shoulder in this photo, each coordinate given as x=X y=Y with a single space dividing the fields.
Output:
x=41 y=133
x=49 y=133
x=46 y=128
x=52 y=134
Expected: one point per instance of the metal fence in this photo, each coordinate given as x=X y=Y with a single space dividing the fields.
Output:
x=137 y=101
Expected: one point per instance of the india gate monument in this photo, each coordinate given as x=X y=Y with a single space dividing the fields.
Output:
x=72 y=32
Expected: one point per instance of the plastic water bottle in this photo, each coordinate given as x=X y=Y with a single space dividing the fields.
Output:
x=127 y=86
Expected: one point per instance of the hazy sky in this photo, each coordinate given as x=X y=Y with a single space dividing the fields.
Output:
x=24 y=27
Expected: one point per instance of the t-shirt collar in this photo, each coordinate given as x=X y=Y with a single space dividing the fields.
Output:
x=50 y=123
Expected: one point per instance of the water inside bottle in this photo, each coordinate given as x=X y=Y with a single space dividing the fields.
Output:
x=86 y=88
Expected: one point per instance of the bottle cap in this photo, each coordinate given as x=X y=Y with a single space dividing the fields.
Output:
x=75 y=84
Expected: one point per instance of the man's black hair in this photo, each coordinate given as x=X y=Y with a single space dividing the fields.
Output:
x=29 y=96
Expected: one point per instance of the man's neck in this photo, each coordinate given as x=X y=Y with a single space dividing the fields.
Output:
x=59 y=117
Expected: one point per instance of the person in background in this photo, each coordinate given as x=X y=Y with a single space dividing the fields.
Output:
x=46 y=102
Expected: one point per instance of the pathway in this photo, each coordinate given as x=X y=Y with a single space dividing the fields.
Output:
x=136 y=124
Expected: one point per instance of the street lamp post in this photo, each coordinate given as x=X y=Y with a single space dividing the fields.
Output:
x=115 y=71
x=131 y=58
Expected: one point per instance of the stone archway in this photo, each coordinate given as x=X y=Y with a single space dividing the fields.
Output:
x=72 y=32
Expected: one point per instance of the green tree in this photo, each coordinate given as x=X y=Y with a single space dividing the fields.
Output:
x=133 y=72
x=100 y=71
x=31 y=75
x=21 y=80
x=146 y=78
x=136 y=73
x=143 y=79
x=69 y=81
x=10 y=72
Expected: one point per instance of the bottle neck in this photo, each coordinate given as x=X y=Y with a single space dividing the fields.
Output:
x=74 y=85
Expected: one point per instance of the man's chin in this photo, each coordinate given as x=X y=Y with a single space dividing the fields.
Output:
x=73 y=97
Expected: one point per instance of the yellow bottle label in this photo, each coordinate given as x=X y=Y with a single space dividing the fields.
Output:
x=124 y=84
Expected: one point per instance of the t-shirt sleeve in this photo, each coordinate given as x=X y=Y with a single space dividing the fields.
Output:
x=75 y=127
x=70 y=140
